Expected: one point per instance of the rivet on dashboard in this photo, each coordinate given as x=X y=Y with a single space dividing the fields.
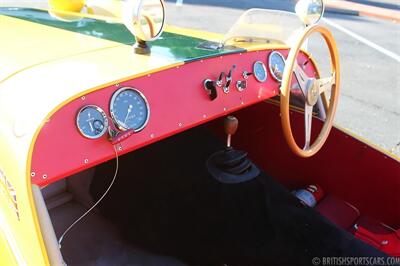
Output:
x=204 y=116
x=180 y=124
x=149 y=75
x=44 y=176
x=201 y=61
x=83 y=98
x=33 y=174
x=86 y=160
x=151 y=135
x=120 y=148
x=259 y=96
x=117 y=85
x=224 y=109
x=242 y=103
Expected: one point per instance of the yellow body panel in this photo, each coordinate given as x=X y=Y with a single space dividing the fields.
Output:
x=18 y=222
x=35 y=44
x=7 y=256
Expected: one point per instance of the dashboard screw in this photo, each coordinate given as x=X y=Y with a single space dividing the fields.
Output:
x=83 y=98
x=33 y=174
x=151 y=135
x=86 y=161
x=44 y=176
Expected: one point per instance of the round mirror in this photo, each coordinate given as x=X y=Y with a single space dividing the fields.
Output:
x=144 y=18
x=310 y=11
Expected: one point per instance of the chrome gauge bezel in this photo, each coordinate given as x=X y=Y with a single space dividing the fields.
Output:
x=105 y=122
x=265 y=71
x=270 y=67
x=114 y=119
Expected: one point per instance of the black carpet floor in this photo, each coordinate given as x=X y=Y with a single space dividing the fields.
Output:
x=166 y=202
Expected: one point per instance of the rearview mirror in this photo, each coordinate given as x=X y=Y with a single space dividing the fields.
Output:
x=145 y=19
x=310 y=11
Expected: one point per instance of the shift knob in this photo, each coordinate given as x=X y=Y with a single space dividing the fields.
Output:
x=230 y=125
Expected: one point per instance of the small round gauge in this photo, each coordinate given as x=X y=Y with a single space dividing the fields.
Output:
x=129 y=109
x=276 y=64
x=92 y=122
x=260 y=71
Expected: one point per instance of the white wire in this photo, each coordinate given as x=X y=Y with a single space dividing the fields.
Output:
x=98 y=201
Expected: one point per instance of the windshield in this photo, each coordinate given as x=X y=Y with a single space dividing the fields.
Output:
x=264 y=25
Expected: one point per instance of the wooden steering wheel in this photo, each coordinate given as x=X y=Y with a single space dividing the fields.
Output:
x=312 y=88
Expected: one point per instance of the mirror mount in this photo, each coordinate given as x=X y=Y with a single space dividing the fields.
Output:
x=141 y=47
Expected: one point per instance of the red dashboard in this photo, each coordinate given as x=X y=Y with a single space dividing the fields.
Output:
x=177 y=101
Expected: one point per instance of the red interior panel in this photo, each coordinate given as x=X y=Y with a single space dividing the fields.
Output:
x=344 y=167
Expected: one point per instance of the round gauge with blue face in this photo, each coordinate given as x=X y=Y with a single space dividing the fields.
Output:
x=260 y=71
x=276 y=64
x=129 y=109
x=92 y=122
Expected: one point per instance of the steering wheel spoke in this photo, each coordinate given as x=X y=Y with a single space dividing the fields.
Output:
x=324 y=84
x=301 y=77
x=308 y=111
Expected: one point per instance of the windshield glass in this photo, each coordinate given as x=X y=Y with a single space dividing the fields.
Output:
x=264 y=25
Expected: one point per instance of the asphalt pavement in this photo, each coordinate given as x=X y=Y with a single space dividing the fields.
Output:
x=369 y=50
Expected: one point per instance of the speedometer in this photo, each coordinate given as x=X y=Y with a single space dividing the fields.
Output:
x=276 y=64
x=92 y=122
x=129 y=109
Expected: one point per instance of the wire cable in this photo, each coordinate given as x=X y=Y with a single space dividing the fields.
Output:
x=98 y=201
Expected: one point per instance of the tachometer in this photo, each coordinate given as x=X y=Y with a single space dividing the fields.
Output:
x=92 y=122
x=276 y=64
x=260 y=71
x=129 y=109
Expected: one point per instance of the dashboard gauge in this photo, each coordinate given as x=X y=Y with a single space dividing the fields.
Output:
x=129 y=109
x=92 y=122
x=276 y=64
x=260 y=71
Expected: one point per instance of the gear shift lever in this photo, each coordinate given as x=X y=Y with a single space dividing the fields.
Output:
x=230 y=165
x=231 y=124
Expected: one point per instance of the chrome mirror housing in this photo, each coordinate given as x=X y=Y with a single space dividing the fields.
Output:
x=310 y=11
x=145 y=19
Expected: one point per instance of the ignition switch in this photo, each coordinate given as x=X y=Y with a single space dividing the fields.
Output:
x=241 y=85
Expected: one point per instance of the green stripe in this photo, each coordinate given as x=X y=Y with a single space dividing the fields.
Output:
x=179 y=47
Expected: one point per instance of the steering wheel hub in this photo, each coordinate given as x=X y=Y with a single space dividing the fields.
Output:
x=312 y=92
